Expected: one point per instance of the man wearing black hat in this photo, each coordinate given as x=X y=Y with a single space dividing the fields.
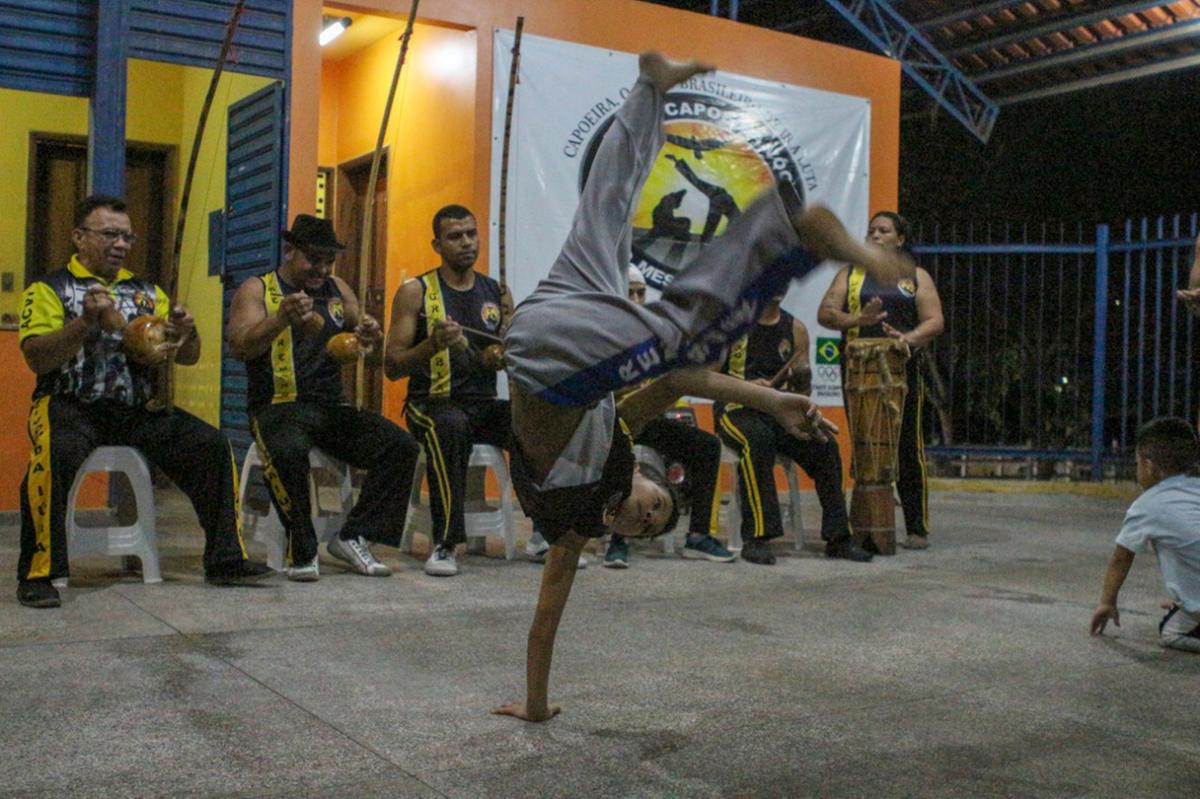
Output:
x=281 y=324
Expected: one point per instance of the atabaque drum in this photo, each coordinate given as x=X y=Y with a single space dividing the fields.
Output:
x=876 y=385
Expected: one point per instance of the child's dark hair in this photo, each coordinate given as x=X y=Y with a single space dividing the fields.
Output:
x=1169 y=443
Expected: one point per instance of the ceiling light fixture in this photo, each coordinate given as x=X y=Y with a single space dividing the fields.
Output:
x=333 y=27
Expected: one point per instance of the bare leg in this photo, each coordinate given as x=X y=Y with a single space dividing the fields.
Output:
x=665 y=74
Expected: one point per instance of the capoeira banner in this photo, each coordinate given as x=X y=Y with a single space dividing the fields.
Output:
x=729 y=138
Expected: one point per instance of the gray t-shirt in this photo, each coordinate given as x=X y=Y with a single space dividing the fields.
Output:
x=1167 y=519
x=582 y=461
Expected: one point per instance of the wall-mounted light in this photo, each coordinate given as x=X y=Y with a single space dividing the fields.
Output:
x=333 y=27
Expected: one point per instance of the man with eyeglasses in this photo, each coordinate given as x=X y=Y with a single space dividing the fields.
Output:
x=91 y=393
x=281 y=324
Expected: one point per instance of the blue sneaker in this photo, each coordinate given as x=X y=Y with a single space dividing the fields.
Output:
x=617 y=554
x=705 y=547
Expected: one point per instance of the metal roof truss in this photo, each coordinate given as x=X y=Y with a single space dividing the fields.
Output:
x=896 y=37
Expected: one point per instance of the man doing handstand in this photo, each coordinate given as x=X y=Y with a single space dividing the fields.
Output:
x=578 y=338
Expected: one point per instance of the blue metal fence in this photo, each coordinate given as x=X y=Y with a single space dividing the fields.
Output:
x=1060 y=340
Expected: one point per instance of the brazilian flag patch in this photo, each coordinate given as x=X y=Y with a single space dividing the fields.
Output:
x=829 y=351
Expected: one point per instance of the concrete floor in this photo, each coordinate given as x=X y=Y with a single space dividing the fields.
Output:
x=963 y=671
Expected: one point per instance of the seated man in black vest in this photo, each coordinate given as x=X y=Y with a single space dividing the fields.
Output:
x=435 y=341
x=281 y=325
x=91 y=392
x=777 y=343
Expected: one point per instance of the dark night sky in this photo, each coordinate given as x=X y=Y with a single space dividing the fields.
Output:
x=1131 y=149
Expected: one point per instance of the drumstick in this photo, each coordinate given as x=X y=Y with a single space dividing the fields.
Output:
x=483 y=333
x=787 y=367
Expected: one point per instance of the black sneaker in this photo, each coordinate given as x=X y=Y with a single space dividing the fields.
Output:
x=846 y=549
x=241 y=572
x=757 y=550
x=37 y=594
x=617 y=554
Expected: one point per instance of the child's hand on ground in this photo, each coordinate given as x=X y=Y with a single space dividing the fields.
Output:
x=1101 y=617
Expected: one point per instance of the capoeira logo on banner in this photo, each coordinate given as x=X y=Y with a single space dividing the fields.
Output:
x=721 y=153
x=729 y=138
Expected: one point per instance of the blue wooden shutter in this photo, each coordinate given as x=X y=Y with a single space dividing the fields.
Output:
x=48 y=45
x=191 y=32
x=254 y=216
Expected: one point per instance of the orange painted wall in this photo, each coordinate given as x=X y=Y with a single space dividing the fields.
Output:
x=442 y=120
x=14 y=436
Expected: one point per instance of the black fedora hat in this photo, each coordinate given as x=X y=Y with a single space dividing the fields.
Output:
x=309 y=233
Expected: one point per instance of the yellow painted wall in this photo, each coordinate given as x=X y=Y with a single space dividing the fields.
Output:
x=25 y=113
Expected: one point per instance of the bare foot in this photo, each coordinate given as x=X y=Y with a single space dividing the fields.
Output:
x=825 y=237
x=664 y=74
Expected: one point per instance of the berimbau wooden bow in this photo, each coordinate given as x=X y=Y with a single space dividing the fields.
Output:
x=164 y=384
x=368 y=219
x=502 y=260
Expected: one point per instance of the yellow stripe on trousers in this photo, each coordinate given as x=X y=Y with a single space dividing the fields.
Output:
x=237 y=501
x=274 y=483
x=433 y=451
x=38 y=488
x=714 y=515
x=750 y=480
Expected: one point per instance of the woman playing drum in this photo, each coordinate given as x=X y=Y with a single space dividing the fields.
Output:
x=910 y=312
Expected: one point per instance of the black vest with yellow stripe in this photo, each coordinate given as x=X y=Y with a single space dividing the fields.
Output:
x=297 y=367
x=899 y=301
x=454 y=373
x=760 y=354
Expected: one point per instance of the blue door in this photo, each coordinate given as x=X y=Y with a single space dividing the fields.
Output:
x=253 y=217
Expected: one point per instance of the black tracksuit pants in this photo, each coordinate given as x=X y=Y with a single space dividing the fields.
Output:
x=64 y=431
x=756 y=438
x=912 y=476
x=447 y=429
x=287 y=431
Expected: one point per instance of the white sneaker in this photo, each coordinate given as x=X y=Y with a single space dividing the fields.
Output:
x=305 y=573
x=537 y=554
x=442 y=563
x=357 y=553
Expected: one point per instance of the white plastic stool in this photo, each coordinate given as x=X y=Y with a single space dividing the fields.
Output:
x=137 y=539
x=268 y=529
x=733 y=517
x=479 y=524
x=650 y=457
